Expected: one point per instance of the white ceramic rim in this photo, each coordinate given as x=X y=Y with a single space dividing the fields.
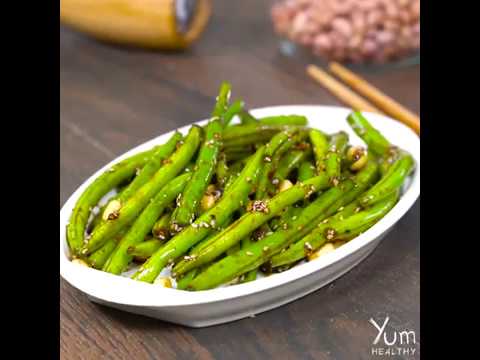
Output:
x=121 y=290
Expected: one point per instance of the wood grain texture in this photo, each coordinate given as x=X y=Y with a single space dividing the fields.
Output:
x=113 y=99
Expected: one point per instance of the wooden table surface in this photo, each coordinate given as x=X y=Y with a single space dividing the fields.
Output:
x=113 y=99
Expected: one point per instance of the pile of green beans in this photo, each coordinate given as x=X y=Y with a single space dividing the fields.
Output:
x=229 y=200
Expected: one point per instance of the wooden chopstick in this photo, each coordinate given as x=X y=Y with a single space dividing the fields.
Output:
x=382 y=101
x=341 y=91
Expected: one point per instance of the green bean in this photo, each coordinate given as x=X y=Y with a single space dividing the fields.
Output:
x=261 y=212
x=189 y=201
x=145 y=174
x=210 y=238
x=289 y=213
x=145 y=249
x=264 y=230
x=205 y=165
x=275 y=147
x=284 y=120
x=375 y=141
x=249 y=276
x=290 y=162
x=336 y=148
x=221 y=101
x=320 y=147
x=221 y=170
x=233 y=110
x=98 y=258
x=94 y=193
x=391 y=181
x=228 y=204
x=160 y=229
x=306 y=170
x=97 y=219
x=347 y=236
x=120 y=258
x=237 y=135
x=259 y=252
x=239 y=156
x=150 y=168
x=389 y=158
x=251 y=148
x=233 y=249
x=130 y=210
x=331 y=231
x=189 y=167
x=183 y=283
x=345 y=205
x=246 y=118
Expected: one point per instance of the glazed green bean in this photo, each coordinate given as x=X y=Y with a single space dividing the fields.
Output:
x=246 y=118
x=160 y=229
x=221 y=171
x=261 y=212
x=242 y=261
x=183 y=283
x=320 y=147
x=145 y=249
x=332 y=230
x=391 y=181
x=336 y=148
x=98 y=258
x=211 y=237
x=130 y=210
x=238 y=135
x=120 y=258
x=94 y=193
x=144 y=175
x=151 y=167
x=230 y=202
x=233 y=110
x=205 y=165
x=189 y=201
x=306 y=170
x=375 y=141
x=291 y=161
x=276 y=147
x=284 y=120
x=286 y=217
x=221 y=101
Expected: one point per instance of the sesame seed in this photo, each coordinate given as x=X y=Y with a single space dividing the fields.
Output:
x=190 y=257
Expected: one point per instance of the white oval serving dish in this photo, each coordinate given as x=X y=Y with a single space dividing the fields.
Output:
x=210 y=307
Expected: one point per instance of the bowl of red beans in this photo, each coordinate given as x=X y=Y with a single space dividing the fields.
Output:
x=350 y=31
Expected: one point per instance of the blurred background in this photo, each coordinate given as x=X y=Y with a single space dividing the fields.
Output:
x=132 y=70
x=107 y=87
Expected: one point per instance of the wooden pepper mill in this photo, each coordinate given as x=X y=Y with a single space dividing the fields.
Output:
x=158 y=24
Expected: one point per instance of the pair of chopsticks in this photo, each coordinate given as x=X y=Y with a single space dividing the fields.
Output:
x=382 y=104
